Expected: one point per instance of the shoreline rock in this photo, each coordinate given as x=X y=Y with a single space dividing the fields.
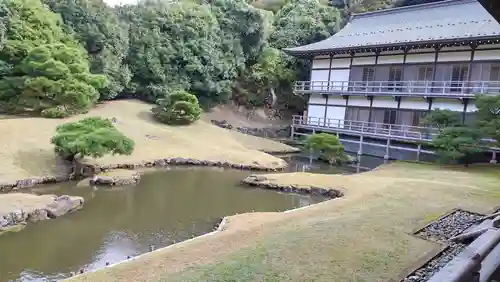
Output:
x=263 y=182
x=117 y=177
x=92 y=169
x=89 y=170
x=16 y=220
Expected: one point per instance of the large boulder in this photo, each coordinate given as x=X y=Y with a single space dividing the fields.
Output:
x=63 y=205
x=116 y=177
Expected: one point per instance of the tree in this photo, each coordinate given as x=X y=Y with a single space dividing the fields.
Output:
x=457 y=143
x=442 y=119
x=179 y=108
x=43 y=70
x=90 y=137
x=488 y=116
x=98 y=29
x=54 y=81
x=265 y=76
x=328 y=146
x=303 y=22
x=180 y=45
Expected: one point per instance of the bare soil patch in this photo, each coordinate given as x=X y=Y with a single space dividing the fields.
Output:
x=26 y=150
x=363 y=236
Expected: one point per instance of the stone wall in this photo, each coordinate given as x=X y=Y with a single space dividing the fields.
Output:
x=30 y=182
x=92 y=169
x=266 y=132
x=16 y=220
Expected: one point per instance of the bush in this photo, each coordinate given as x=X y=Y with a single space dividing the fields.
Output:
x=457 y=144
x=178 y=108
x=56 y=112
x=442 y=118
x=328 y=146
x=93 y=136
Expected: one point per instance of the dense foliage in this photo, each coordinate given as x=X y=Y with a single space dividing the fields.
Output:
x=43 y=70
x=457 y=143
x=442 y=118
x=93 y=136
x=178 y=108
x=215 y=49
x=328 y=147
x=97 y=28
x=460 y=142
x=58 y=57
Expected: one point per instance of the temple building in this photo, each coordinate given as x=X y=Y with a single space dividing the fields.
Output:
x=385 y=70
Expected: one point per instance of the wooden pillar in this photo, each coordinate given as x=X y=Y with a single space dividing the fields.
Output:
x=419 y=148
x=360 y=150
x=493 y=158
x=387 y=150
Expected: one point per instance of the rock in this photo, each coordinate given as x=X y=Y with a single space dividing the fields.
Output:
x=38 y=215
x=222 y=124
x=63 y=205
x=116 y=177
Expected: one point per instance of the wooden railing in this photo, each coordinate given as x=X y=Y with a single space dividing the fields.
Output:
x=406 y=88
x=407 y=132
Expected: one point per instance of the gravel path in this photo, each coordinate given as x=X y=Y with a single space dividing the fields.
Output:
x=442 y=230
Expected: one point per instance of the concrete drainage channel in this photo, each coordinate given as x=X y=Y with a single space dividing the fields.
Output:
x=471 y=250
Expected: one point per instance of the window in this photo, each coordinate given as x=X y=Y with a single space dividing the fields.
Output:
x=494 y=83
x=459 y=75
x=355 y=118
x=368 y=76
x=425 y=73
x=495 y=73
x=395 y=76
x=357 y=114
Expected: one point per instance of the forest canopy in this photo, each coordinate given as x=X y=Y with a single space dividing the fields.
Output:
x=60 y=57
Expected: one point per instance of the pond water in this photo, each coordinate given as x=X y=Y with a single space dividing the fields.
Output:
x=166 y=207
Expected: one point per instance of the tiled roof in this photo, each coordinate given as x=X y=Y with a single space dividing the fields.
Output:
x=440 y=21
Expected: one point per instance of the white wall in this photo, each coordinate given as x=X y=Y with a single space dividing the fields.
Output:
x=358 y=101
x=454 y=56
x=420 y=58
x=320 y=63
x=449 y=104
x=487 y=55
x=384 y=102
x=392 y=59
x=319 y=75
x=335 y=114
x=471 y=107
x=317 y=99
x=336 y=100
x=363 y=61
x=341 y=62
x=414 y=103
x=338 y=77
x=315 y=114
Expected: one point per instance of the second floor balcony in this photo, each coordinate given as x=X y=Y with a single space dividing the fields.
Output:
x=444 y=89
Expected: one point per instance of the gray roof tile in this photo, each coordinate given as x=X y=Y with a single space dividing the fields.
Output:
x=439 y=21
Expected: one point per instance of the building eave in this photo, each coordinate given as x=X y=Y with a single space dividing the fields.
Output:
x=396 y=46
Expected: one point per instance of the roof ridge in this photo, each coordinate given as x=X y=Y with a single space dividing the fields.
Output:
x=411 y=8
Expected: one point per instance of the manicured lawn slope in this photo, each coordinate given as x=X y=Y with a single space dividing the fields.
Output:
x=363 y=236
x=26 y=150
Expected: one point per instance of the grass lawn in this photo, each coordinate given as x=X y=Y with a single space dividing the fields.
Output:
x=25 y=149
x=363 y=236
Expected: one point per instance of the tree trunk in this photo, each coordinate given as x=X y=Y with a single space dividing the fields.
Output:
x=273 y=97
